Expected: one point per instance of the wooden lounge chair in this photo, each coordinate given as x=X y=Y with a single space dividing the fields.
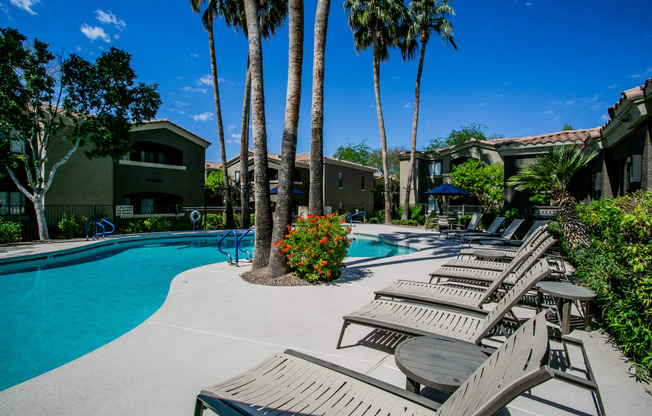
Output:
x=486 y=276
x=473 y=225
x=418 y=319
x=510 y=242
x=492 y=264
x=507 y=234
x=507 y=252
x=458 y=295
x=293 y=383
x=491 y=231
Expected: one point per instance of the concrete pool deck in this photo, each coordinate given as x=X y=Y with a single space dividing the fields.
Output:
x=214 y=325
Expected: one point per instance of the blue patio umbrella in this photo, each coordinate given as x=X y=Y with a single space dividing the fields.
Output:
x=274 y=191
x=447 y=189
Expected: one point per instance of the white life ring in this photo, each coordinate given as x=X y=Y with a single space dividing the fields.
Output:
x=195 y=216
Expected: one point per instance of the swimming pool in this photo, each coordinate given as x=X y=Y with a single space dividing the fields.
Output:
x=59 y=309
x=369 y=246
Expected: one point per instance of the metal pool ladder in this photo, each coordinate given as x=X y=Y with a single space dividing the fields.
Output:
x=238 y=248
x=99 y=224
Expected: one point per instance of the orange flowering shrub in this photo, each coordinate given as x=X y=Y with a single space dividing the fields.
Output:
x=315 y=247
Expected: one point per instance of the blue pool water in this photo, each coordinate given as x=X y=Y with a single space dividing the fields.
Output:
x=364 y=246
x=55 y=312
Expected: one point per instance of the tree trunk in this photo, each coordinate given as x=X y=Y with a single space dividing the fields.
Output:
x=283 y=214
x=39 y=208
x=244 y=153
x=263 y=220
x=383 y=138
x=415 y=121
x=574 y=229
x=316 y=193
x=230 y=223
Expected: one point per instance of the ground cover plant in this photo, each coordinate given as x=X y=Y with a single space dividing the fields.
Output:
x=617 y=265
x=316 y=247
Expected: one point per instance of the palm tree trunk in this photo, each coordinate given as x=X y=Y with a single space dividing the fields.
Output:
x=283 y=215
x=415 y=122
x=574 y=229
x=244 y=154
x=383 y=137
x=220 y=129
x=263 y=220
x=316 y=192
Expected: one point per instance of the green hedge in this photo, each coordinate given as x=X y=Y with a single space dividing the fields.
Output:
x=618 y=267
x=9 y=232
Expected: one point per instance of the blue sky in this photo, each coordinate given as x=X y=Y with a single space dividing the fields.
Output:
x=523 y=67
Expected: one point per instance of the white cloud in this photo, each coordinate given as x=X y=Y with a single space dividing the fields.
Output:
x=181 y=104
x=407 y=105
x=611 y=87
x=231 y=127
x=109 y=18
x=549 y=112
x=93 y=33
x=528 y=4
x=506 y=83
x=26 y=5
x=605 y=118
x=205 y=80
x=569 y=102
x=644 y=74
x=203 y=116
x=194 y=55
x=190 y=89
x=236 y=135
x=176 y=110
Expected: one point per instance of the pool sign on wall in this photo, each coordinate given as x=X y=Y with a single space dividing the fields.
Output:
x=124 y=210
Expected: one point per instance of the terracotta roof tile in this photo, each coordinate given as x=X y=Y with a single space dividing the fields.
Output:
x=630 y=95
x=212 y=165
x=556 y=137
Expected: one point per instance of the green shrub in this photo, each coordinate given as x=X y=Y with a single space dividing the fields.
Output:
x=155 y=224
x=9 y=232
x=315 y=247
x=133 y=227
x=214 y=222
x=618 y=267
x=72 y=227
x=405 y=222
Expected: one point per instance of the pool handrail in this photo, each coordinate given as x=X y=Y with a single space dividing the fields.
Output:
x=239 y=247
x=349 y=217
x=96 y=228
x=219 y=246
x=110 y=223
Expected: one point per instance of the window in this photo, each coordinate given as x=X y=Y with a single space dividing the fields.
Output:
x=297 y=176
x=273 y=174
x=237 y=176
x=158 y=153
x=339 y=179
x=12 y=203
x=362 y=184
x=434 y=169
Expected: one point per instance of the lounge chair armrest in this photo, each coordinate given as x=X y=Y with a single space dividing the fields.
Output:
x=431 y=404
x=573 y=379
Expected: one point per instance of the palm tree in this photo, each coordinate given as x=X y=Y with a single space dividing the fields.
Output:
x=283 y=214
x=271 y=16
x=315 y=195
x=427 y=17
x=554 y=171
x=263 y=239
x=376 y=24
x=208 y=17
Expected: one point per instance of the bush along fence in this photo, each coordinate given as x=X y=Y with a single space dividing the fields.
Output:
x=617 y=265
x=69 y=221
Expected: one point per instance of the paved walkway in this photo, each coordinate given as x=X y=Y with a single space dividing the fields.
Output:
x=214 y=325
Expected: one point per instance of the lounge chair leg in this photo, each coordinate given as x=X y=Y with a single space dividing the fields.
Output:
x=199 y=408
x=339 y=341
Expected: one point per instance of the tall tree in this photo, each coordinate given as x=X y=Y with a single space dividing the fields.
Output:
x=465 y=133
x=376 y=24
x=283 y=214
x=315 y=193
x=356 y=153
x=209 y=16
x=263 y=239
x=271 y=16
x=554 y=171
x=76 y=101
x=427 y=17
